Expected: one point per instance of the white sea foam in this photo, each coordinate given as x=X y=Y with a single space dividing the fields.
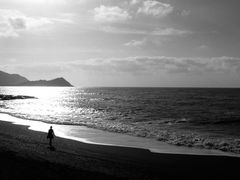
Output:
x=94 y=136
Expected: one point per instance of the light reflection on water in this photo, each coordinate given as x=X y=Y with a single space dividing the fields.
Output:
x=50 y=102
x=54 y=104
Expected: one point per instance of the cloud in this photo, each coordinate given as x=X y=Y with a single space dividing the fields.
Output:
x=135 y=43
x=10 y=21
x=133 y=2
x=48 y=2
x=13 y=22
x=155 y=8
x=156 y=32
x=203 y=47
x=144 y=64
x=185 y=12
x=17 y=23
x=117 y=30
x=110 y=14
x=138 y=65
x=5 y=31
x=170 y=31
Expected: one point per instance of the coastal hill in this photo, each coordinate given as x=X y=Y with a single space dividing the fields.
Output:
x=11 y=79
x=18 y=80
x=54 y=82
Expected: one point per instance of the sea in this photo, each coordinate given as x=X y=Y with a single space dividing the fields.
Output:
x=207 y=118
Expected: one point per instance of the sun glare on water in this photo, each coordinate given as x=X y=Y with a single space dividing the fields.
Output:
x=49 y=102
x=38 y=92
x=44 y=92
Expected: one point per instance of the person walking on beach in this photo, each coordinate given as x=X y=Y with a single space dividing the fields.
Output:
x=50 y=136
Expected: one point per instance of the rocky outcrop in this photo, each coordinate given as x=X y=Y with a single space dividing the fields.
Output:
x=4 y=97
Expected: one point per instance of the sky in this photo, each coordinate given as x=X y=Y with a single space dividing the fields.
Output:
x=154 y=43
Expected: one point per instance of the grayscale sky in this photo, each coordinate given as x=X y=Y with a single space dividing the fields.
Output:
x=193 y=43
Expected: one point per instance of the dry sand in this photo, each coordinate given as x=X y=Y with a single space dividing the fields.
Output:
x=25 y=154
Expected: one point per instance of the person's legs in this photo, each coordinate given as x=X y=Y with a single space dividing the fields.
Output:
x=50 y=142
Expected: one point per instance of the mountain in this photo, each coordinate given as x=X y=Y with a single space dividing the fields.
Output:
x=11 y=79
x=17 y=80
x=55 y=82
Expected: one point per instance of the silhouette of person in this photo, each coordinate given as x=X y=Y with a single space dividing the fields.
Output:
x=50 y=136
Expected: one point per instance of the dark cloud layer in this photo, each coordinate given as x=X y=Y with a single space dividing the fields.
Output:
x=18 y=23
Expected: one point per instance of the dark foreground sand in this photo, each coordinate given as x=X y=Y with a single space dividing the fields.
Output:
x=24 y=154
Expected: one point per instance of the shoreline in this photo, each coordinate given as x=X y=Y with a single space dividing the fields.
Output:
x=25 y=154
x=99 y=137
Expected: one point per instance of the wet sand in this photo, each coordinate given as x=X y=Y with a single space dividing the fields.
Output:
x=25 y=154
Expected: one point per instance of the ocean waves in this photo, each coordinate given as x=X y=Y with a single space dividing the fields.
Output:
x=202 y=118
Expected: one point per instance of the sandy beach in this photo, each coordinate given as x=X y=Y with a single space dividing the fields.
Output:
x=25 y=154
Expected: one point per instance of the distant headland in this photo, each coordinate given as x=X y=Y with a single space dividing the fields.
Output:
x=7 y=79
